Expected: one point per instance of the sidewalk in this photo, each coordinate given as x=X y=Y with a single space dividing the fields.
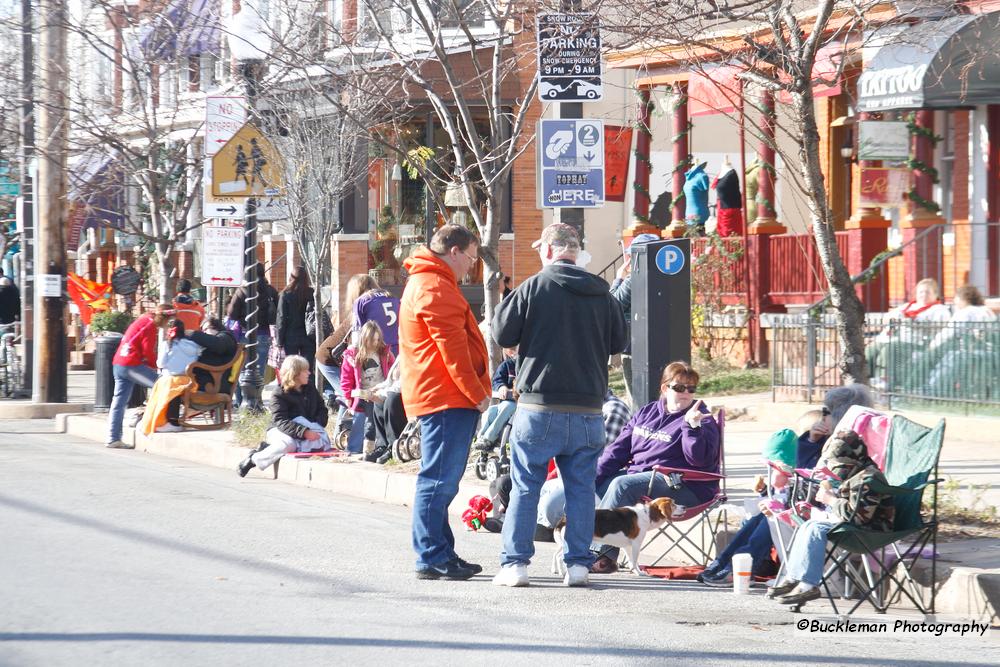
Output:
x=79 y=395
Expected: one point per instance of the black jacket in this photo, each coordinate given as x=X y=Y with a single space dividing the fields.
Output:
x=219 y=349
x=727 y=188
x=267 y=300
x=291 y=321
x=10 y=304
x=566 y=325
x=286 y=405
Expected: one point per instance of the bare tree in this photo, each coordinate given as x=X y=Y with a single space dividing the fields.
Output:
x=128 y=110
x=774 y=45
x=325 y=159
x=456 y=59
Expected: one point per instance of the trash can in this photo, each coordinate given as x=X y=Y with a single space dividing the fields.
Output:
x=104 y=391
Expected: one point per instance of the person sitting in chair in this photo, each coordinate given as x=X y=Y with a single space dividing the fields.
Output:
x=163 y=405
x=676 y=431
x=219 y=349
x=496 y=416
x=853 y=501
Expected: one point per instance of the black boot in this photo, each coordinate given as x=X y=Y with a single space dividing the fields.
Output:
x=247 y=463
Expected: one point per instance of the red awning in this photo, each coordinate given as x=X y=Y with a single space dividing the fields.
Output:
x=714 y=90
x=825 y=79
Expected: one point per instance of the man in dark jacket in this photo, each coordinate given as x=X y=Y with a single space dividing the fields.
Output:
x=220 y=348
x=566 y=324
x=10 y=301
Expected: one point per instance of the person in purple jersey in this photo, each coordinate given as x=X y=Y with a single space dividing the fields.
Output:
x=378 y=306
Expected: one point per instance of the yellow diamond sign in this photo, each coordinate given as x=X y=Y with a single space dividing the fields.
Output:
x=248 y=166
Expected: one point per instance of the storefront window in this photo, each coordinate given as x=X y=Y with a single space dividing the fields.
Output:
x=400 y=210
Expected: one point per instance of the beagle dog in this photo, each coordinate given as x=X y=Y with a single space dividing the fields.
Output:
x=624 y=527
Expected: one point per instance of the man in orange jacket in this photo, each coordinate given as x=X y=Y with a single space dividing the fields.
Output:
x=446 y=384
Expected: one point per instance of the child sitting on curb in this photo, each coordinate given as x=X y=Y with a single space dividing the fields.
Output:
x=298 y=418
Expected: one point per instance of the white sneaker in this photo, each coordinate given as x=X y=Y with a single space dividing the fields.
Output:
x=577 y=575
x=169 y=428
x=515 y=575
x=118 y=444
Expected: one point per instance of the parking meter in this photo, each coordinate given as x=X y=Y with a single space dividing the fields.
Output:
x=661 y=313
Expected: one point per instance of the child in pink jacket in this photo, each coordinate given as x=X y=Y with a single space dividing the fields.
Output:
x=366 y=364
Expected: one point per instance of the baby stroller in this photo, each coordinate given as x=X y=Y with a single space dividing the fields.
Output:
x=342 y=434
x=406 y=447
x=494 y=459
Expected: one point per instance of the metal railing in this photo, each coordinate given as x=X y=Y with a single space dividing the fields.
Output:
x=953 y=366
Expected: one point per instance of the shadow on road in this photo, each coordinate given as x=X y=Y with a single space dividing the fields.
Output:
x=619 y=652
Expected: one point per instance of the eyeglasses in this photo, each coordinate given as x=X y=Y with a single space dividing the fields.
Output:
x=474 y=258
x=684 y=388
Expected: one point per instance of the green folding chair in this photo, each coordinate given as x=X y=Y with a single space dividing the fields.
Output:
x=887 y=559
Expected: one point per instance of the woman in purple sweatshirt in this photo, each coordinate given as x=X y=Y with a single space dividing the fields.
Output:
x=675 y=431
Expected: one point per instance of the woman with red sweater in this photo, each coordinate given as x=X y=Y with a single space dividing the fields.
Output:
x=135 y=362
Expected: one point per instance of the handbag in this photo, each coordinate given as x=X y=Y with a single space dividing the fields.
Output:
x=311 y=322
x=337 y=353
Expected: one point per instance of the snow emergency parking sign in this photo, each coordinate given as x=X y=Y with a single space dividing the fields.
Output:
x=569 y=58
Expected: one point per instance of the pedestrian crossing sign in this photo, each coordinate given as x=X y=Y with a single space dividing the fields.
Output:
x=248 y=165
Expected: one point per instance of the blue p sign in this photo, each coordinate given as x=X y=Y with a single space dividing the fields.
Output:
x=670 y=260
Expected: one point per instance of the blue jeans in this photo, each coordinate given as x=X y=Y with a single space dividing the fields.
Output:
x=362 y=428
x=754 y=538
x=808 y=552
x=126 y=377
x=625 y=490
x=263 y=348
x=445 y=438
x=332 y=375
x=552 y=503
x=575 y=441
x=494 y=420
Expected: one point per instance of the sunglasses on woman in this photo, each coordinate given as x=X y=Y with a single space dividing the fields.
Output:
x=684 y=388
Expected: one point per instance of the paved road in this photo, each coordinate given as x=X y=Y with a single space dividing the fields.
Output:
x=120 y=558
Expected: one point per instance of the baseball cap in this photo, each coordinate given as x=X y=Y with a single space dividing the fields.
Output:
x=640 y=240
x=559 y=234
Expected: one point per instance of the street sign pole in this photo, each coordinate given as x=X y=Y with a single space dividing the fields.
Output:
x=251 y=378
x=571 y=216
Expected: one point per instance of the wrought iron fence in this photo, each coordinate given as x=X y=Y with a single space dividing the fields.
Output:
x=953 y=366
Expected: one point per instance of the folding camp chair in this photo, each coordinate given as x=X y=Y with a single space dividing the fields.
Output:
x=887 y=559
x=701 y=515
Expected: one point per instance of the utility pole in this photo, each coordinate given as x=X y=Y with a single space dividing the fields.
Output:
x=50 y=259
x=27 y=214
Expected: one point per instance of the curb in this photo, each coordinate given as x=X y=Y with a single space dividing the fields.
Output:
x=972 y=593
x=29 y=410
x=368 y=481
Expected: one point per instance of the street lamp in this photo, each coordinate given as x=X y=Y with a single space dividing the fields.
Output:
x=249 y=44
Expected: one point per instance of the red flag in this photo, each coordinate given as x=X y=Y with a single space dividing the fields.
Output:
x=89 y=296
